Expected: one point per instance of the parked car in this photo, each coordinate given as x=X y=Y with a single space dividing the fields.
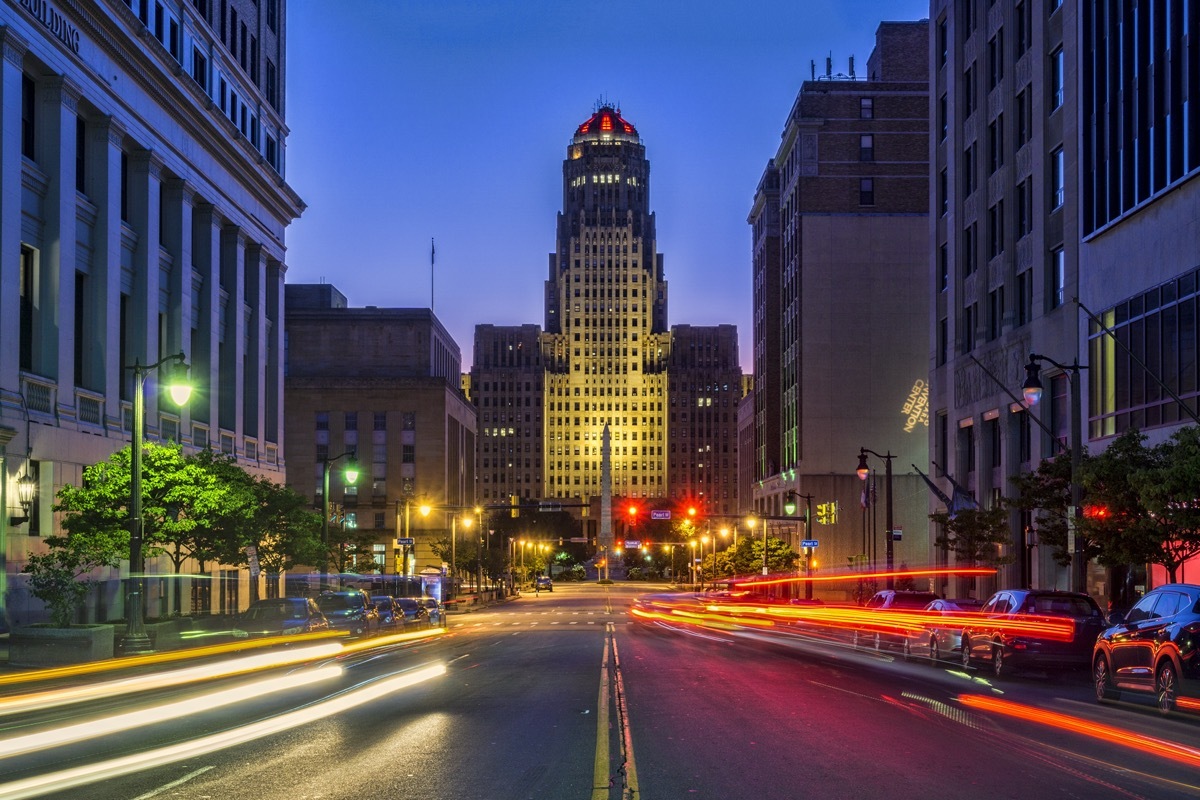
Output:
x=350 y=610
x=891 y=600
x=1005 y=650
x=544 y=584
x=385 y=607
x=411 y=613
x=934 y=641
x=435 y=610
x=280 y=616
x=1154 y=648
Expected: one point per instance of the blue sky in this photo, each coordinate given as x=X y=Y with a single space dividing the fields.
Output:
x=449 y=119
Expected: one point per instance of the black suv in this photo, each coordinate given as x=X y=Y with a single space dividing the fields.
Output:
x=891 y=600
x=351 y=611
x=992 y=641
x=1153 y=648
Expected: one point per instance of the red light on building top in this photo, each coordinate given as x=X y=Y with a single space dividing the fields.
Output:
x=606 y=123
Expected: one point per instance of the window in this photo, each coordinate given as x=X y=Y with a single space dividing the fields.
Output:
x=233 y=30
x=1058 y=277
x=272 y=86
x=80 y=155
x=408 y=454
x=124 y=189
x=866 y=107
x=943 y=268
x=969 y=91
x=968 y=166
x=943 y=333
x=996 y=229
x=1022 y=15
x=28 y=118
x=969 y=249
x=1024 y=297
x=27 y=280
x=943 y=43
x=866 y=192
x=996 y=144
x=969 y=316
x=943 y=117
x=321 y=422
x=273 y=25
x=1058 y=179
x=995 y=312
x=866 y=147
x=996 y=60
x=1024 y=107
x=351 y=421
x=944 y=193
x=254 y=59
x=1024 y=217
x=200 y=69
x=1057 y=70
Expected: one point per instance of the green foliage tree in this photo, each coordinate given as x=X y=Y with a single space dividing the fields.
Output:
x=1045 y=493
x=1116 y=527
x=1167 y=488
x=60 y=577
x=974 y=535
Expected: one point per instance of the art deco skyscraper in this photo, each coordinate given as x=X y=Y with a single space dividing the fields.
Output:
x=606 y=340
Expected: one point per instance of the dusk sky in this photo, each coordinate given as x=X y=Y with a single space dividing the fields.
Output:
x=449 y=119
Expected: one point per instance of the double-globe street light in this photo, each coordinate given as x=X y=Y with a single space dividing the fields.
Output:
x=863 y=471
x=135 y=639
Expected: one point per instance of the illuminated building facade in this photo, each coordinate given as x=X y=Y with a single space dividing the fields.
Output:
x=1005 y=241
x=840 y=271
x=144 y=213
x=606 y=342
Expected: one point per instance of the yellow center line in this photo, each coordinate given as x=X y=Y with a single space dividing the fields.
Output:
x=600 y=773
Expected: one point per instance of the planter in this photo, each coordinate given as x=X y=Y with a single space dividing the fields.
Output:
x=168 y=634
x=53 y=647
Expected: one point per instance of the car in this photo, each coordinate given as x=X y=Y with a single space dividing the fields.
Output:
x=280 y=616
x=350 y=610
x=934 y=641
x=1154 y=649
x=992 y=641
x=385 y=607
x=544 y=583
x=891 y=600
x=412 y=613
x=435 y=610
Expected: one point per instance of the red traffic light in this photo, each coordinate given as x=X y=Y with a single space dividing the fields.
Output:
x=633 y=510
x=1096 y=512
x=691 y=511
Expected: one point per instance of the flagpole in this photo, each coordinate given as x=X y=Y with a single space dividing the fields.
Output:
x=432 y=252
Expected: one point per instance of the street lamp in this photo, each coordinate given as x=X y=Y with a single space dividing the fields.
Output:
x=692 y=545
x=26 y=490
x=479 y=560
x=1032 y=389
x=863 y=470
x=350 y=473
x=135 y=639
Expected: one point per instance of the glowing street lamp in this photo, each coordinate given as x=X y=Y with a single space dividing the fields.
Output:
x=863 y=470
x=135 y=639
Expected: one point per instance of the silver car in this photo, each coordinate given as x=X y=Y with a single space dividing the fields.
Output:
x=435 y=609
x=935 y=642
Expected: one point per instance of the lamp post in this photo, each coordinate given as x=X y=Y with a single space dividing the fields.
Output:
x=135 y=640
x=692 y=545
x=479 y=560
x=351 y=475
x=26 y=490
x=808 y=554
x=1032 y=389
x=863 y=470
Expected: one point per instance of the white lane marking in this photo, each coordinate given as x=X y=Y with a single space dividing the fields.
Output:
x=172 y=784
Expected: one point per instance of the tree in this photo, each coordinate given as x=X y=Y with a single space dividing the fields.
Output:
x=1116 y=523
x=1167 y=489
x=60 y=577
x=1045 y=493
x=283 y=531
x=974 y=535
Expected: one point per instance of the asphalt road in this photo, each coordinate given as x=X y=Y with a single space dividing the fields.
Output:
x=559 y=696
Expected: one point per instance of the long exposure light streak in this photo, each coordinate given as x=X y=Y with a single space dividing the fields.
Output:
x=845 y=576
x=1095 y=730
x=114 y=768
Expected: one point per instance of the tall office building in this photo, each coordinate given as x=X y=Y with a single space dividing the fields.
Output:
x=1004 y=227
x=606 y=356
x=839 y=259
x=606 y=340
x=144 y=213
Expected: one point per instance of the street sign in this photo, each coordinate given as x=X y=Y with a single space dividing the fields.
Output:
x=809 y=542
x=405 y=541
x=581 y=539
x=898 y=533
x=657 y=513
x=549 y=506
x=633 y=544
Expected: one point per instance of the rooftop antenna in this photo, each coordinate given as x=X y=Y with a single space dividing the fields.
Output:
x=852 y=68
x=829 y=65
x=812 y=67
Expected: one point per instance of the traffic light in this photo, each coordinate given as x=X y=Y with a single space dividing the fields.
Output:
x=789 y=504
x=514 y=501
x=1096 y=512
x=632 y=511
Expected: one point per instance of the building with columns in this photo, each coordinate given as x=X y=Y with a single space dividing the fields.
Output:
x=143 y=214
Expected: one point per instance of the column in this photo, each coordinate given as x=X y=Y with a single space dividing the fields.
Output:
x=60 y=108
x=144 y=197
x=233 y=337
x=206 y=342
x=178 y=201
x=256 y=344
x=109 y=139
x=273 y=396
x=13 y=52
